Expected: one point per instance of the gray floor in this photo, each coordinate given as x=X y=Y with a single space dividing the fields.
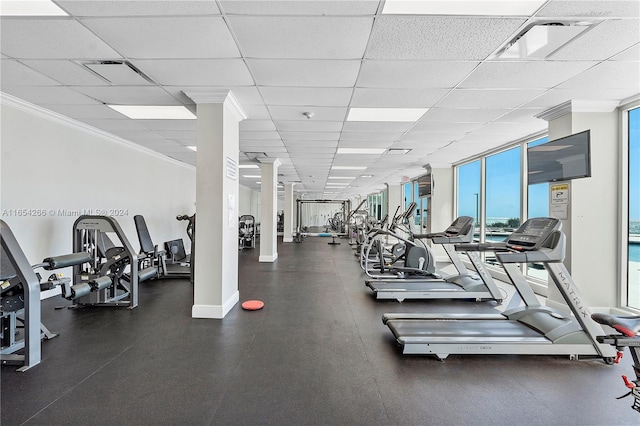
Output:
x=317 y=353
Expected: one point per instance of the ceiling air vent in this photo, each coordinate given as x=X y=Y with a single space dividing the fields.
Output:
x=255 y=155
x=540 y=40
x=121 y=73
x=398 y=151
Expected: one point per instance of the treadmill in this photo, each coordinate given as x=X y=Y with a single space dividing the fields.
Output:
x=531 y=329
x=463 y=285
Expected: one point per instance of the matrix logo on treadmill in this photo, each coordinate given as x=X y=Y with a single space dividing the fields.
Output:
x=571 y=294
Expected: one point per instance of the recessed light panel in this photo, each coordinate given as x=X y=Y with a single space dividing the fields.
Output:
x=462 y=7
x=30 y=8
x=361 y=151
x=386 y=114
x=348 y=168
x=248 y=166
x=342 y=177
x=154 y=112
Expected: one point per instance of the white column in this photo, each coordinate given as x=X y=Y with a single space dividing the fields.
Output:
x=217 y=198
x=591 y=227
x=289 y=213
x=394 y=199
x=269 y=210
x=440 y=206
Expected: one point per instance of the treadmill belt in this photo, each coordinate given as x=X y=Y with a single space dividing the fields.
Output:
x=465 y=330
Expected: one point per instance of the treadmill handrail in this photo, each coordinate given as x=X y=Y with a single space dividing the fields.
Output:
x=496 y=246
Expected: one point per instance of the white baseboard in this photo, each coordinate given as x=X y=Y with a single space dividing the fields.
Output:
x=267 y=258
x=215 y=311
x=287 y=239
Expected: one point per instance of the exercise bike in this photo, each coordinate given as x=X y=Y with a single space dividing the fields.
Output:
x=628 y=336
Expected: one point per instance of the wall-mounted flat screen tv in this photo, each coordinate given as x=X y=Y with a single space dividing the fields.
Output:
x=561 y=159
x=425 y=185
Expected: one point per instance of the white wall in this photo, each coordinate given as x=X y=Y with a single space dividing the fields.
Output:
x=592 y=228
x=51 y=163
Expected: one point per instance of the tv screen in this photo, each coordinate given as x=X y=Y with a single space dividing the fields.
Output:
x=561 y=159
x=424 y=185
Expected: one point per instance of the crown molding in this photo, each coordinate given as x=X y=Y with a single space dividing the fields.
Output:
x=577 y=106
x=275 y=161
x=218 y=96
x=54 y=117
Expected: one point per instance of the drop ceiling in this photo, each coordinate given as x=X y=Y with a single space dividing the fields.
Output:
x=284 y=58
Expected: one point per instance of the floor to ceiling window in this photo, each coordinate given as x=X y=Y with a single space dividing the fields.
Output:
x=502 y=192
x=633 y=258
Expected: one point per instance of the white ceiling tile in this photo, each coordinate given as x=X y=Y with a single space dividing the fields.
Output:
x=307 y=143
x=13 y=73
x=144 y=137
x=524 y=74
x=304 y=73
x=111 y=125
x=631 y=54
x=397 y=98
x=368 y=136
x=256 y=112
x=428 y=144
x=440 y=127
x=447 y=115
x=179 y=134
x=300 y=7
x=169 y=124
x=413 y=74
x=589 y=8
x=310 y=136
x=356 y=143
x=438 y=37
x=166 y=37
x=48 y=95
x=492 y=99
x=257 y=125
x=312 y=149
x=139 y=8
x=61 y=38
x=301 y=37
x=69 y=73
x=260 y=135
x=129 y=95
x=84 y=111
x=522 y=115
x=196 y=72
x=309 y=126
x=608 y=75
x=295 y=113
x=513 y=129
x=417 y=139
x=326 y=96
x=605 y=40
x=376 y=126
x=257 y=145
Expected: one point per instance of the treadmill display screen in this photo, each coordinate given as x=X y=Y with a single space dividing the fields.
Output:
x=533 y=233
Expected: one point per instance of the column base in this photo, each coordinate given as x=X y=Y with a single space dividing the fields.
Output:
x=268 y=258
x=215 y=311
x=287 y=239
